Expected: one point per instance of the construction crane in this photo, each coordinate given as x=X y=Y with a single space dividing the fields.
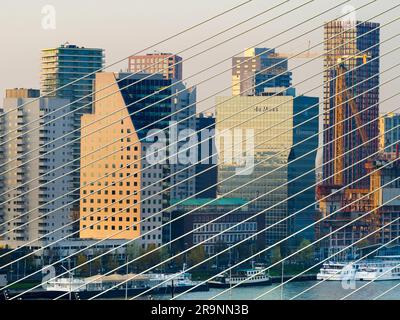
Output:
x=340 y=105
x=293 y=55
x=340 y=100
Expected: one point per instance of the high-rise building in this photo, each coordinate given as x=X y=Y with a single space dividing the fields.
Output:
x=121 y=141
x=25 y=163
x=62 y=65
x=389 y=133
x=168 y=64
x=270 y=121
x=206 y=168
x=356 y=46
x=181 y=132
x=257 y=70
x=68 y=63
x=386 y=199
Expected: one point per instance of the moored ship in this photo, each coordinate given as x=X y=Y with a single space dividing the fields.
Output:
x=242 y=278
x=114 y=286
x=378 y=269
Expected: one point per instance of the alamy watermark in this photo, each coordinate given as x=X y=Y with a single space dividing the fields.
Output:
x=188 y=147
x=48 y=20
x=350 y=18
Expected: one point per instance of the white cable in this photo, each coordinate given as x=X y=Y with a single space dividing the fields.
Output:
x=146 y=77
x=378 y=277
x=314 y=242
x=386 y=291
x=136 y=53
x=209 y=168
x=334 y=254
x=76 y=139
x=224 y=230
x=134 y=162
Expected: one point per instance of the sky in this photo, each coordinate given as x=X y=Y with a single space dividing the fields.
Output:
x=124 y=27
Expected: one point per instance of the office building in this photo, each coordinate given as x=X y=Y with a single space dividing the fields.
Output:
x=65 y=64
x=122 y=140
x=357 y=47
x=386 y=199
x=181 y=137
x=267 y=130
x=167 y=64
x=258 y=69
x=215 y=209
x=26 y=188
x=206 y=169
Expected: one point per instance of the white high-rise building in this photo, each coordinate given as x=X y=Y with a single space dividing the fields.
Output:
x=32 y=205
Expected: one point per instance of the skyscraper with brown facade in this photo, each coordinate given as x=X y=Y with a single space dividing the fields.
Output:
x=168 y=64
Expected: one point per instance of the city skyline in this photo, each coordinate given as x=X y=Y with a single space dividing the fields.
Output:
x=143 y=189
x=99 y=35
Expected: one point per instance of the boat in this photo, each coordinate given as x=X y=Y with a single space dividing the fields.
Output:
x=379 y=268
x=337 y=271
x=385 y=268
x=118 y=285
x=242 y=278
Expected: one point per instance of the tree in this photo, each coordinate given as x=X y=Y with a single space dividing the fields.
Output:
x=276 y=254
x=148 y=259
x=164 y=255
x=178 y=261
x=96 y=264
x=222 y=259
x=111 y=262
x=305 y=256
x=196 y=255
x=81 y=259
x=133 y=251
x=243 y=251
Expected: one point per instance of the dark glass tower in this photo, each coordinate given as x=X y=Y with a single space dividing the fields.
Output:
x=352 y=40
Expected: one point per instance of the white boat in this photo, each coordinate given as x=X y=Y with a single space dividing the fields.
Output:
x=386 y=268
x=174 y=279
x=117 y=285
x=337 y=271
x=246 y=277
x=378 y=269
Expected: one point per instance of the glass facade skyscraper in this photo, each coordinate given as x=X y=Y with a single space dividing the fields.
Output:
x=269 y=120
x=206 y=169
x=68 y=63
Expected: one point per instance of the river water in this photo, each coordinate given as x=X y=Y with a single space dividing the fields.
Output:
x=328 y=290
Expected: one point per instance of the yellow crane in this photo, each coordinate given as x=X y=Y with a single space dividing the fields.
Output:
x=341 y=100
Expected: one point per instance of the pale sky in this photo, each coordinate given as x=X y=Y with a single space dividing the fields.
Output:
x=123 y=27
